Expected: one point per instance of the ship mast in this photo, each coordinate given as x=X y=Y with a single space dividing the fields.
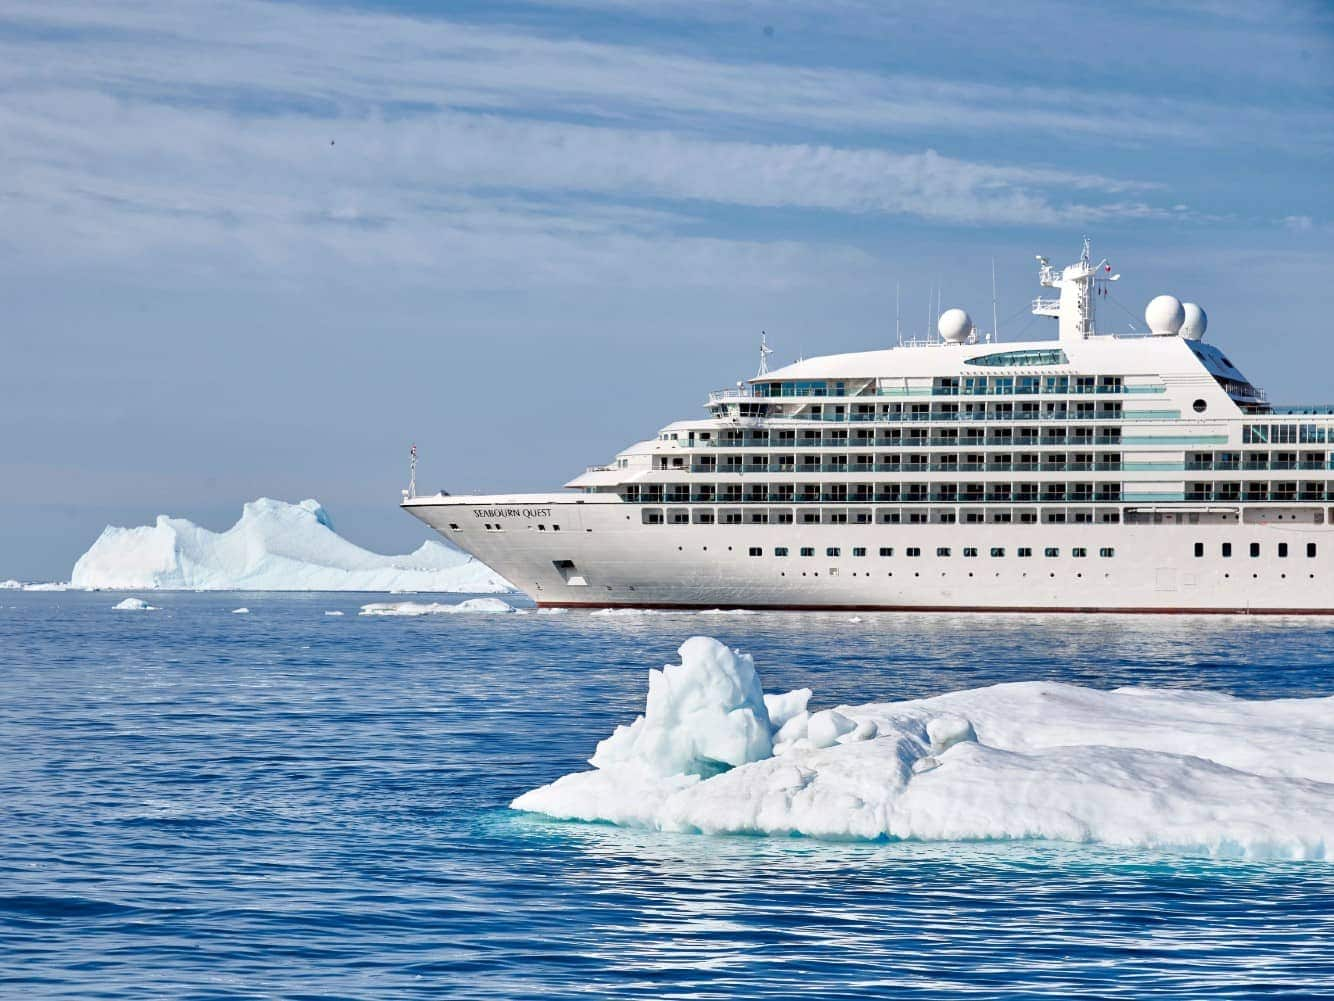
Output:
x=1077 y=284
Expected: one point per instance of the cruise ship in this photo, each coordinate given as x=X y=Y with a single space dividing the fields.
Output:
x=1097 y=472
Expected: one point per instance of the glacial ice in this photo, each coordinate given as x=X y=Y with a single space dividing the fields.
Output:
x=275 y=546
x=415 y=608
x=134 y=605
x=1137 y=767
x=10 y=585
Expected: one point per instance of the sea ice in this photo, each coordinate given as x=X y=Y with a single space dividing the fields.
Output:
x=333 y=613
x=10 y=585
x=413 y=608
x=1197 y=771
x=48 y=586
x=275 y=546
x=134 y=605
x=240 y=611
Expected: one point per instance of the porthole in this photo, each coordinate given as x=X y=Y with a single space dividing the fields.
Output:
x=1199 y=406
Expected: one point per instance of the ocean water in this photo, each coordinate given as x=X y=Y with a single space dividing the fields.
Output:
x=286 y=804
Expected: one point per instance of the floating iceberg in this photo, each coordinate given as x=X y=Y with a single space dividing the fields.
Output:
x=240 y=611
x=274 y=547
x=134 y=605
x=1195 y=771
x=10 y=585
x=415 y=608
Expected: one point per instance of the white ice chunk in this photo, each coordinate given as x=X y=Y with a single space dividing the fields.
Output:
x=782 y=708
x=134 y=605
x=48 y=586
x=415 y=608
x=946 y=731
x=703 y=715
x=10 y=585
x=275 y=546
x=240 y=611
x=333 y=613
x=826 y=726
x=1190 y=770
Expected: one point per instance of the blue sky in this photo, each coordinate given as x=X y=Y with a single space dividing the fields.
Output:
x=257 y=248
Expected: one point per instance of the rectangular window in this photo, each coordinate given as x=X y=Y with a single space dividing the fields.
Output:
x=1079 y=552
x=886 y=550
x=1051 y=551
x=1255 y=550
x=943 y=551
x=831 y=551
x=997 y=550
x=780 y=550
x=1227 y=549
x=1025 y=551
x=1283 y=549
x=859 y=551
x=1310 y=550
x=756 y=551
x=1106 y=552
x=914 y=551
x=969 y=551
x=807 y=551
x=1199 y=550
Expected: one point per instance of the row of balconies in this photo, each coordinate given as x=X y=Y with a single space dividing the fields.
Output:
x=1002 y=437
x=908 y=467
x=1312 y=492
x=1111 y=412
x=911 y=493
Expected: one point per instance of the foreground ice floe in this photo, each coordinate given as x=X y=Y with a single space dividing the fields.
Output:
x=134 y=605
x=274 y=547
x=414 y=608
x=1197 y=771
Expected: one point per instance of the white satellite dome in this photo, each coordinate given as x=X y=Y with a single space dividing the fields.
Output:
x=1196 y=322
x=955 y=325
x=1164 y=315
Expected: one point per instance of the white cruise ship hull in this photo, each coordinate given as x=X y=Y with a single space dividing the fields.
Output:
x=595 y=552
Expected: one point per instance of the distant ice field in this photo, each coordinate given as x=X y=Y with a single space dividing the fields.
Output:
x=284 y=803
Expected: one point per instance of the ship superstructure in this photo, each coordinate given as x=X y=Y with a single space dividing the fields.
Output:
x=1095 y=472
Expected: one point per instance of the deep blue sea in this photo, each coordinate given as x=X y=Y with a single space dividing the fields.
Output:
x=286 y=804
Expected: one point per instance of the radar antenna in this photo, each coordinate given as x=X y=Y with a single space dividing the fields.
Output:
x=765 y=352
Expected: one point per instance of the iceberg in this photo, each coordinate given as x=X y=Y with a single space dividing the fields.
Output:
x=275 y=546
x=1184 y=770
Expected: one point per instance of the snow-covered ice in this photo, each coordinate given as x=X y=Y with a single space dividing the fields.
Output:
x=275 y=546
x=10 y=585
x=134 y=605
x=240 y=611
x=1189 y=770
x=54 y=585
x=414 y=608
x=333 y=613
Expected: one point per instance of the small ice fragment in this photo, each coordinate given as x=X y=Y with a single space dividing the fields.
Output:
x=826 y=726
x=946 y=731
x=413 y=608
x=134 y=605
x=866 y=730
x=794 y=728
x=333 y=613
x=782 y=708
x=240 y=611
x=855 y=618
x=924 y=765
